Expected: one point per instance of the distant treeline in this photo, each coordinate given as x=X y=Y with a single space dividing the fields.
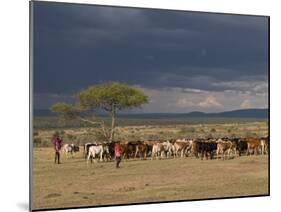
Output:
x=49 y=122
x=245 y=113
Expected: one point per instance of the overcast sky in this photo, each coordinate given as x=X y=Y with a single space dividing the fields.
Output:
x=184 y=61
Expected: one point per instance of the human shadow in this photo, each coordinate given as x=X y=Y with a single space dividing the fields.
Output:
x=23 y=205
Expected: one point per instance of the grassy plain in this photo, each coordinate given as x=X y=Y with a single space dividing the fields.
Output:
x=74 y=184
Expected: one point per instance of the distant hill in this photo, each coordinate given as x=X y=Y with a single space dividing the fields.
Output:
x=245 y=113
x=43 y=112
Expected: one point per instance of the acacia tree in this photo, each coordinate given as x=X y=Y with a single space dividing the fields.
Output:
x=110 y=97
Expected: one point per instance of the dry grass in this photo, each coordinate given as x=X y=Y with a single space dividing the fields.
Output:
x=74 y=184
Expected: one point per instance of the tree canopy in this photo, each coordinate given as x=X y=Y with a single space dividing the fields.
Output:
x=110 y=97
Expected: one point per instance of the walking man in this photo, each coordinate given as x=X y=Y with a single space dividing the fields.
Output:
x=118 y=153
x=57 y=141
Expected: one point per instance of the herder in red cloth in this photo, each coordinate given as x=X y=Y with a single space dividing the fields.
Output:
x=118 y=153
x=57 y=141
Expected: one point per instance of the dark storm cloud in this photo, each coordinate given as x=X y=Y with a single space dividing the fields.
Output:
x=79 y=45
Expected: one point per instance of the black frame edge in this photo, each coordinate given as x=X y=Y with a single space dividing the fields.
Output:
x=31 y=56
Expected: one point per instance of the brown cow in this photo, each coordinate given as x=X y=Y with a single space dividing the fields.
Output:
x=129 y=148
x=195 y=148
x=149 y=146
x=203 y=148
x=253 y=145
x=182 y=146
x=141 y=149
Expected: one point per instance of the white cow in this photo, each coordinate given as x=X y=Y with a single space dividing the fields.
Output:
x=97 y=151
x=157 y=150
x=168 y=148
x=86 y=148
x=68 y=148
x=264 y=145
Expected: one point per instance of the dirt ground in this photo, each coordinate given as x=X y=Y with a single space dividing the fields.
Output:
x=74 y=183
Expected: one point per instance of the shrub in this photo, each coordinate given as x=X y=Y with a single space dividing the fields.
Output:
x=192 y=130
x=37 y=142
x=233 y=135
x=209 y=136
x=152 y=137
x=71 y=137
x=251 y=134
x=97 y=135
x=56 y=133
x=46 y=143
x=187 y=130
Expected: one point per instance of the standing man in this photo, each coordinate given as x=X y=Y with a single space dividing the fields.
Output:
x=118 y=153
x=57 y=141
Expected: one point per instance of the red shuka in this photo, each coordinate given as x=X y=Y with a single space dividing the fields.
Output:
x=57 y=144
x=118 y=150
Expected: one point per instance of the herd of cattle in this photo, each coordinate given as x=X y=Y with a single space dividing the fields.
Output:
x=221 y=148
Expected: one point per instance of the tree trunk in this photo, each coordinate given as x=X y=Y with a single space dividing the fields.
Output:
x=101 y=123
x=112 y=125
